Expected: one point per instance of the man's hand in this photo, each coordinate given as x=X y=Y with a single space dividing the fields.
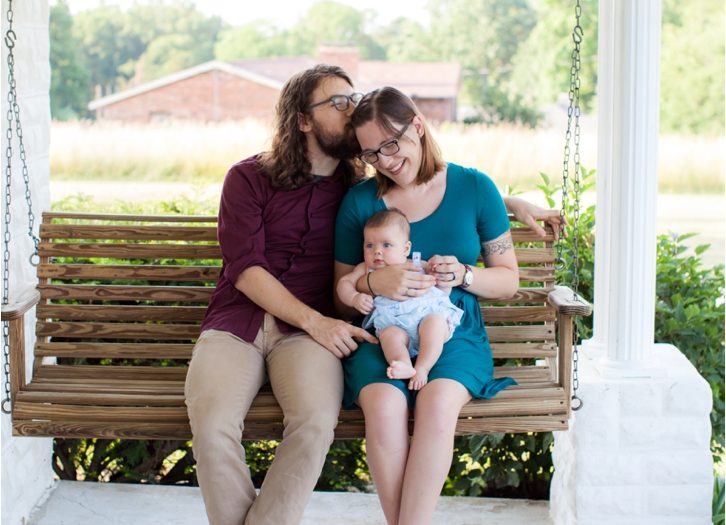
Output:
x=337 y=336
x=363 y=303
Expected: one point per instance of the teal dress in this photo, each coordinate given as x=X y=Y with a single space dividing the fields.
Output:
x=471 y=212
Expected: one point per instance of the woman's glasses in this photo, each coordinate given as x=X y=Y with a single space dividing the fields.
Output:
x=389 y=148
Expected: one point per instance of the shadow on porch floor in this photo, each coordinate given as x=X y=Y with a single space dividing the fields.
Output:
x=72 y=503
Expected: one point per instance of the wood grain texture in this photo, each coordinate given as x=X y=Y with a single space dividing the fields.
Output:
x=149 y=272
x=129 y=233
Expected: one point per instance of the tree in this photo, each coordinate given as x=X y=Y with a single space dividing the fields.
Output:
x=692 y=67
x=331 y=23
x=101 y=34
x=70 y=82
x=406 y=40
x=257 y=39
x=542 y=65
x=484 y=36
x=173 y=37
x=115 y=41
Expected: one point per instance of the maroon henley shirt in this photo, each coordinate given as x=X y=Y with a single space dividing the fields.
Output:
x=288 y=233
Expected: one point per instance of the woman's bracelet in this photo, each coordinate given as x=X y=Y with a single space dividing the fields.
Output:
x=368 y=282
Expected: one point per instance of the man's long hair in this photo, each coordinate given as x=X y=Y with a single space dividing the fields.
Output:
x=287 y=163
x=391 y=109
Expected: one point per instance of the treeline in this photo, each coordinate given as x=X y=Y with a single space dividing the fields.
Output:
x=515 y=54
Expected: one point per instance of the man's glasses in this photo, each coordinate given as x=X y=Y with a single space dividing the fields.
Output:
x=340 y=102
x=389 y=148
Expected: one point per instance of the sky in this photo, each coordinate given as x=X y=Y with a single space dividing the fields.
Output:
x=282 y=13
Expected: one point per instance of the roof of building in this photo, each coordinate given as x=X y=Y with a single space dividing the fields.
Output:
x=416 y=79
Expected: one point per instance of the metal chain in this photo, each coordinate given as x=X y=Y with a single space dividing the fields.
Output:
x=572 y=134
x=13 y=113
x=9 y=42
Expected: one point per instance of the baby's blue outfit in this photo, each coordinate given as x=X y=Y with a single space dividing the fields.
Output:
x=408 y=314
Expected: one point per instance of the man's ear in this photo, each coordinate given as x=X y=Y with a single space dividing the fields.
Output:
x=303 y=123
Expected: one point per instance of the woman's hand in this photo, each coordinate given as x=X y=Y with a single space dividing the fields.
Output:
x=528 y=213
x=400 y=281
x=447 y=269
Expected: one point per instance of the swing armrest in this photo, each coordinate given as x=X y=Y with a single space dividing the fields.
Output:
x=569 y=303
x=14 y=313
x=18 y=308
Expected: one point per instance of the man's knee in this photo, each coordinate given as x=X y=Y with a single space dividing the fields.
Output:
x=214 y=425
x=313 y=422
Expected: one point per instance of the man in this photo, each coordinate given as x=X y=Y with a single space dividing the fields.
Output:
x=272 y=313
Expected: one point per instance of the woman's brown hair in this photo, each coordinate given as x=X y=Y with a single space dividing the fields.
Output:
x=391 y=110
x=287 y=163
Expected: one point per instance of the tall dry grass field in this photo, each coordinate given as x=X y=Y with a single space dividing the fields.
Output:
x=192 y=152
x=180 y=152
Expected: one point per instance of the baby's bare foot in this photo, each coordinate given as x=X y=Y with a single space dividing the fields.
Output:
x=419 y=379
x=400 y=370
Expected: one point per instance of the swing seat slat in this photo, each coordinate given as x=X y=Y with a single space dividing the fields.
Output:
x=118 y=313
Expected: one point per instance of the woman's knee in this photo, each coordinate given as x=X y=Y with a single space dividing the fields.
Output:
x=441 y=401
x=384 y=407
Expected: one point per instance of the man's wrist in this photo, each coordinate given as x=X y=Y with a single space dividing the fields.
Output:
x=310 y=319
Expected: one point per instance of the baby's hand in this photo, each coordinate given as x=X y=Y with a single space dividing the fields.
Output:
x=363 y=303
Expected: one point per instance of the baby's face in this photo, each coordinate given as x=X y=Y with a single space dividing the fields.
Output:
x=385 y=245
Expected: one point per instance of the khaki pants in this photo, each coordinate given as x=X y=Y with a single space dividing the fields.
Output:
x=224 y=376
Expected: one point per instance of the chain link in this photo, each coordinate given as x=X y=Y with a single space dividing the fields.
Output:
x=13 y=113
x=572 y=135
x=10 y=43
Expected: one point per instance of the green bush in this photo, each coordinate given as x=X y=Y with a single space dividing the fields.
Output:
x=717 y=511
x=162 y=462
x=690 y=316
x=502 y=465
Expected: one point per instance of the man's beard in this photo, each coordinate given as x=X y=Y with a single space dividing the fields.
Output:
x=343 y=146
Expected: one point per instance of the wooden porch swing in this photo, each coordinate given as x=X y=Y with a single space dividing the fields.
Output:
x=120 y=299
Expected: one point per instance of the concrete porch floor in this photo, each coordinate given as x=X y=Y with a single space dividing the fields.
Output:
x=73 y=503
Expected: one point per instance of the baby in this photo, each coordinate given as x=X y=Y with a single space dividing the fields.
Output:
x=415 y=328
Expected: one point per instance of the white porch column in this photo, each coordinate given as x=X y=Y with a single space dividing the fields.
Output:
x=638 y=451
x=627 y=183
x=26 y=462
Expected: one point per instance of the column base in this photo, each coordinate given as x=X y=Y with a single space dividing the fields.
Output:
x=612 y=369
x=638 y=451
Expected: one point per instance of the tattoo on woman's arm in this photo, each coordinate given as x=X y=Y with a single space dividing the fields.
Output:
x=498 y=246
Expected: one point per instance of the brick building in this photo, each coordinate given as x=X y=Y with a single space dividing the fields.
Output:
x=218 y=90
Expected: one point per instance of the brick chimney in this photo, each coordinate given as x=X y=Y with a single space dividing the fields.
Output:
x=345 y=57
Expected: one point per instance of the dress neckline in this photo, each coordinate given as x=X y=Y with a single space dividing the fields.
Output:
x=439 y=206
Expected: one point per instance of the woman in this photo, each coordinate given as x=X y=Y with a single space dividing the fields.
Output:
x=455 y=213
